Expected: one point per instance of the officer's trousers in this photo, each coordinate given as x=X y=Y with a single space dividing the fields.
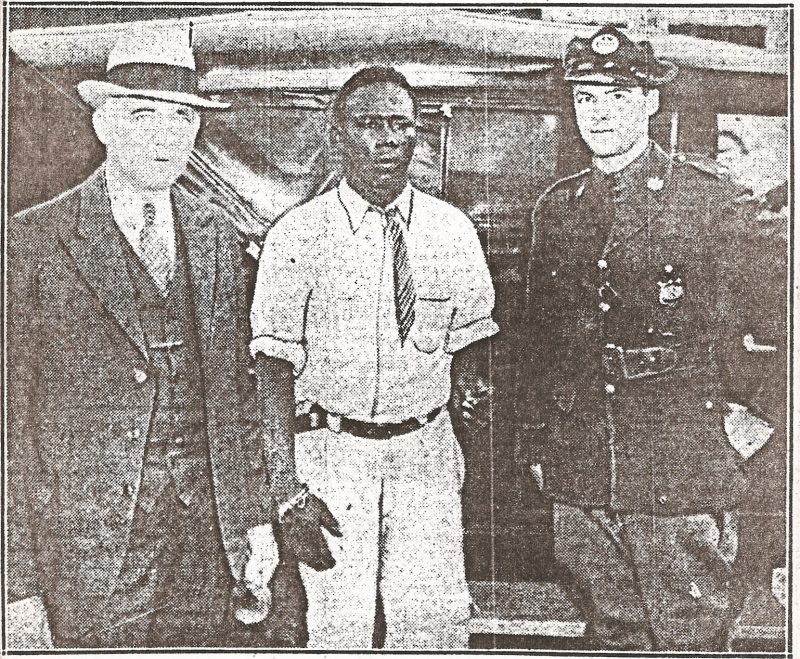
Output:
x=398 y=503
x=646 y=582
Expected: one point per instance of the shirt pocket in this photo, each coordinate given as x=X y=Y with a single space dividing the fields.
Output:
x=343 y=314
x=432 y=317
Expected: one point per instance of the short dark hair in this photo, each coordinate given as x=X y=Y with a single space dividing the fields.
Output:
x=371 y=75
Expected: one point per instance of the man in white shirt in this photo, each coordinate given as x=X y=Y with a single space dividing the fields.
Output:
x=363 y=297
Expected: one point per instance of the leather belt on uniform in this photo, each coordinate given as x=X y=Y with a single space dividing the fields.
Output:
x=317 y=417
x=636 y=363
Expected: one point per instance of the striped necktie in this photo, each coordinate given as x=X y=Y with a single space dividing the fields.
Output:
x=404 y=290
x=154 y=251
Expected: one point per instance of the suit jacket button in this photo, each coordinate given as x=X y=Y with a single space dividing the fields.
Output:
x=139 y=375
x=127 y=490
x=662 y=499
x=610 y=388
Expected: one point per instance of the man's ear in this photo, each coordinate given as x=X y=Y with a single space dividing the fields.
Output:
x=652 y=98
x=335 y=135
x=101 y=124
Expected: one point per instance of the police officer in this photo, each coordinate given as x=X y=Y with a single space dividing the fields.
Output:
x=633 y=301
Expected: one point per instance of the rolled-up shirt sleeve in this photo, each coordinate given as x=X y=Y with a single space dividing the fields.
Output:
x=283 y=286
x=473 y=295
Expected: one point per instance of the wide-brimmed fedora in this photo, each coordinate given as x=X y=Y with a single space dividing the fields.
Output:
x=150 y=61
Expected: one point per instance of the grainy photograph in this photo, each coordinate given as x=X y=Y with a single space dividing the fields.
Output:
x=398 y=327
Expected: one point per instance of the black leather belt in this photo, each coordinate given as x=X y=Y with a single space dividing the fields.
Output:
x=317 y=417
x=635 y=363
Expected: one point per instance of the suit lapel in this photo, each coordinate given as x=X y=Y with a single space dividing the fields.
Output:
x=200 y=236
x=96 y=246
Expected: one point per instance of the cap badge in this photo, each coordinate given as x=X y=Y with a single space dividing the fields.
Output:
x=655 y=184
x=605 y=44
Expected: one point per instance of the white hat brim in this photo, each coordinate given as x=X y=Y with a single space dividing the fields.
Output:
x=95 y=93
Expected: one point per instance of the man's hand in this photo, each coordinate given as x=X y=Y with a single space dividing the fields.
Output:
x=254 y=596
x=746 y=432
x=472 y=399
x=27 y=627
x=301 y=516
x=470 y=390
x=302 y=537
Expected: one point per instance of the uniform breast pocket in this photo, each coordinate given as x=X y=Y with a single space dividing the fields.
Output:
x=432 y=318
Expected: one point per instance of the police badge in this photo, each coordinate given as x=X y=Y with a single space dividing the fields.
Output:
x=671 y=288
x=605 y=44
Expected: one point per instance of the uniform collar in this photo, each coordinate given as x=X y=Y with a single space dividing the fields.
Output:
x=638 y=192
x=647 y=173
x=357 y=208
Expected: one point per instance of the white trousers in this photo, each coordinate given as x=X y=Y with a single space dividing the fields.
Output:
x=398 y=503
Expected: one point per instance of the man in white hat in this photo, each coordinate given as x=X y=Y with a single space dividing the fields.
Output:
x=132 y=482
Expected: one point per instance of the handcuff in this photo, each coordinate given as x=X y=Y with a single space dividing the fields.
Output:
x=298 y=501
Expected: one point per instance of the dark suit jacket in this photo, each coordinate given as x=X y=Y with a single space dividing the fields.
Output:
x=656 y=443
x=79 y=408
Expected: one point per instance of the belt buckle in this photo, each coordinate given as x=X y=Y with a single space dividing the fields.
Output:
x=334 y=422
x=650 y=361
x=611 y=355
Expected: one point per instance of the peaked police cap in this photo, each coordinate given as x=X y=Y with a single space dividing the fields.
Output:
x=609 y=57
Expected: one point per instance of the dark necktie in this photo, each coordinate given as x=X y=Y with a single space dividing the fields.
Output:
x=154 y=250
x=404 y=290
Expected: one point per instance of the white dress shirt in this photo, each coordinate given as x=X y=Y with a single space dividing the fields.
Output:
x=324 y=300
x=127 y=208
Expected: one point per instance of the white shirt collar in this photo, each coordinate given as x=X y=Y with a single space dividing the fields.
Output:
x=127 y=205
x=357 y=207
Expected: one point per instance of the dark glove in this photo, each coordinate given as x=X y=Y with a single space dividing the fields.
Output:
x=299 y=532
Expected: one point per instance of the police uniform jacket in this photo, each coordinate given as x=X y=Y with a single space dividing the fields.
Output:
x=633 y=326
x=81 y=399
